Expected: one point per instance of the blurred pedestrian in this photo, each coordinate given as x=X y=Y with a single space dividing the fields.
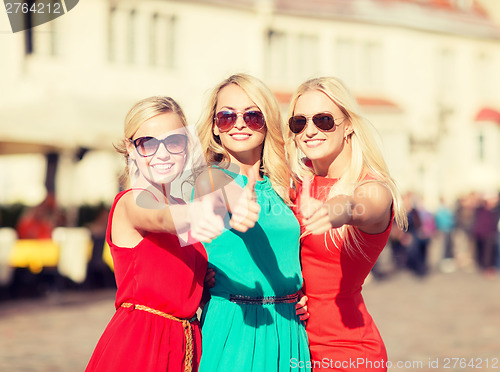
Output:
x=498 y=244
x=39 y=221
x=416 y=238
x=485 y=234
x=445 y=222
x=398 y=242
x=464 y=245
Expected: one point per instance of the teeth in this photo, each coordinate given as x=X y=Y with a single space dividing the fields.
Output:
x=240 y=136
x=163 y=166
x=314 y=142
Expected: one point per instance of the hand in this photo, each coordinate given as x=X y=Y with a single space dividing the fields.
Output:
x=301 y=308
x=209 y=281
x=315 y=215
x=246 y=212
x=206 y=224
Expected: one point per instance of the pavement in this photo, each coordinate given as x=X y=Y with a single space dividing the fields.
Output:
x=443 y=322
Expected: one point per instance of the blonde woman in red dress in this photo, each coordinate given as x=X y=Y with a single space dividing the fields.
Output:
x=346 y=206
x=159 y=267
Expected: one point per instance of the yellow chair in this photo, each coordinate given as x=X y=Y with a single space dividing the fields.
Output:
x=34 y=254
x=106 y=256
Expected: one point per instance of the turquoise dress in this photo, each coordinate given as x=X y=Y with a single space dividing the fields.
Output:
x=263 y=262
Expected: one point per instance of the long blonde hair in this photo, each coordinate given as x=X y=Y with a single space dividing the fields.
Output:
x=137 y=115
x=366 y=155
x=273 y=163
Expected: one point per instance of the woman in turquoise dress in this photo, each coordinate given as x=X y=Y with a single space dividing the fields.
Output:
x=251 y=322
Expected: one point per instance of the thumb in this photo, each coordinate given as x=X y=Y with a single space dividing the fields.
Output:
x=209 y=203
x=308 y=206
x=250 y=187
x=306 y=187
x=214 y=203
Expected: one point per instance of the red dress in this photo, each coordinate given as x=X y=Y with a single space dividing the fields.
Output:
x=340 y=329
x=162 y=275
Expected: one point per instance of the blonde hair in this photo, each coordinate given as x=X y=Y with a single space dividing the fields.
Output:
x=137 y=115
x=273 y=161
x=366 y=155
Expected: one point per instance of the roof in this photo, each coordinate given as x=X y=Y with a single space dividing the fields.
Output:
x=372 y=102
x=441 y=16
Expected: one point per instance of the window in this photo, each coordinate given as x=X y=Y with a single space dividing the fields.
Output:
x=131 y=36
x=484 y=76
x=307 y=57
x=445 y=74
x=117 y=36
x=112 y=35
x=162 y=36
x=45 y=41
x=42 y=40
x=345 y=61
x=150 y=39
x=153 y=40
x=277 y=65
x=372 y=65
x=481 y=151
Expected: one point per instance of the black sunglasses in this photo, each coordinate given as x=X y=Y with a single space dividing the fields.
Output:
x=147 y=146
x=226 y=119
x=324 y=121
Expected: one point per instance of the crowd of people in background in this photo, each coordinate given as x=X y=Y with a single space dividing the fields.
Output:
x=459 y=235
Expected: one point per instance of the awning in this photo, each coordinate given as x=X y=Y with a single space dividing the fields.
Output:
x=17 y=147
x=488 y=114
x=65 y=123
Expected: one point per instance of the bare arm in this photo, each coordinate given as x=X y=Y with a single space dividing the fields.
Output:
x=369 y=209
x=132 y=221
x=164 y=218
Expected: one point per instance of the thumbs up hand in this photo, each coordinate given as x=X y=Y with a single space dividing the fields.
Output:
x=246 y=211
x=206 y=223
x=316 y=220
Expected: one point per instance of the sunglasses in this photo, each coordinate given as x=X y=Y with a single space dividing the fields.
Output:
x=226 y=119
x=147 y=146
x=323 y=121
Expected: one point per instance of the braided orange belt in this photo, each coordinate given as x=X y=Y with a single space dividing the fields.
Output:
x=188 y=332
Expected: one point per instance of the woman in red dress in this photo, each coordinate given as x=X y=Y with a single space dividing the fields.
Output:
x=346 y=206
x=159 y=267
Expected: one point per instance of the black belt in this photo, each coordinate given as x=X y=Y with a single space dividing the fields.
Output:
x=288 y=299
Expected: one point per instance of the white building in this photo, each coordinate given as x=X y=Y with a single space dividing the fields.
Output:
x=425 y=72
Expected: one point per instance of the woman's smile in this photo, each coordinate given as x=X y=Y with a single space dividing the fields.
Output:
x=240 y=136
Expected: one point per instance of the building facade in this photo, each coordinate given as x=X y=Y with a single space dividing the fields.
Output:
x=424 y=71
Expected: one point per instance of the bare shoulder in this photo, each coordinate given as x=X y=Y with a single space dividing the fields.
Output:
x=376 y=193
x=123 y=232
x=374 y=201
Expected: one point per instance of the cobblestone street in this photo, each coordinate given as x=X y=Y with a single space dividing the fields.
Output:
x=423 y=322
